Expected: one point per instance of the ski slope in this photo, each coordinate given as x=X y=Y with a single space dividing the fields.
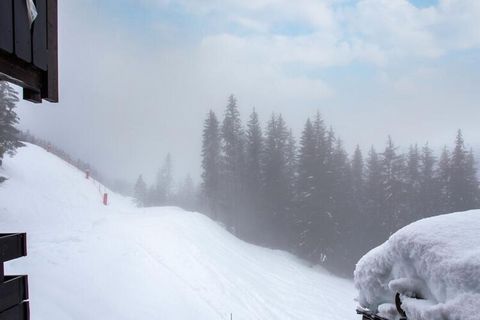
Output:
x=90 y=261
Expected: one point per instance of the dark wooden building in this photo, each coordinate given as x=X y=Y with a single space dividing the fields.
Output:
x=28 y=47
x=28 y=58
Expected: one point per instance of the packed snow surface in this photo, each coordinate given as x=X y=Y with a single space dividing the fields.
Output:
x=90 y=261
x=435 y=259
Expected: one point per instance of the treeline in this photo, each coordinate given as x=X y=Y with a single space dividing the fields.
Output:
x=27 y=136
x=312 y=198
x=164 y=192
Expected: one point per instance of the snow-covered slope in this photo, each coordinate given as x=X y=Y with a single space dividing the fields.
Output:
x=89 y=261
x=435 y=259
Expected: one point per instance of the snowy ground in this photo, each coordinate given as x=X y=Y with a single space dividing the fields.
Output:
x=436 y=259
x=88 y=261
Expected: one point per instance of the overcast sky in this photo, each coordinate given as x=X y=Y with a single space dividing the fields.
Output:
x=138 y=77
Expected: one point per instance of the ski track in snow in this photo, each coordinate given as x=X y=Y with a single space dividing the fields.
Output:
x=89 y=261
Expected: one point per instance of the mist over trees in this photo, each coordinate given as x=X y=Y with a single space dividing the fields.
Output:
x=164 y=192
x=312 y=198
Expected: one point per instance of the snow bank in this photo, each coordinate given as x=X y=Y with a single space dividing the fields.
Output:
x=435 y=259
x=90 y=261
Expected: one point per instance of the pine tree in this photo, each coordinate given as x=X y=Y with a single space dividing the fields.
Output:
x=276 y=184
x=339 y=252
x=233 y=164
x=376 y=224
x=360 y=218
x=140 y=192
x=358 y=182
x=429 y=193
x=472 y=185
x=442 y=175
x=8 y=119
x=291 y=175
x=186 y=195
x=211 y=164
x=463 y=184
x=393 y=202
x=253 y=177
x=412 y=185
x=163 y=187
x=306 y=203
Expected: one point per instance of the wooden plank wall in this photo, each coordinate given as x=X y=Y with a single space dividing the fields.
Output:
x=6 y=25
x=16 y=36
x=30 y=51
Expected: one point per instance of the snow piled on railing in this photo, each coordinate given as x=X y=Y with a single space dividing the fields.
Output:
x=433 y=263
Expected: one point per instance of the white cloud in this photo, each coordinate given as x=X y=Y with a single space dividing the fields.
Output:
x=142 y=97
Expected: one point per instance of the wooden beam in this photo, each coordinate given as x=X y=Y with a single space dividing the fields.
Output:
x=51 y=93
x=19 y=72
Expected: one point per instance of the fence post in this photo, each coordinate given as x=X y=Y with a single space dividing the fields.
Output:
x=105 y=198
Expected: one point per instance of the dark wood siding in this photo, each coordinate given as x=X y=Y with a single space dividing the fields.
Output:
x=6 y=25
x=23 y=38
x=29 y=53
x=39 y=41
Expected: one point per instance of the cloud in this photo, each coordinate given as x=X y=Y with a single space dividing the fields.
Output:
x=130 y=93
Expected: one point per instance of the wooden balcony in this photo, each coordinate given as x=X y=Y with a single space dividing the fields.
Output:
x=13 y=289
x=29 y=52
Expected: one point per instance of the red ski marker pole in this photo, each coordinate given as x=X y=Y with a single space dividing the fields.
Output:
x=105 y=198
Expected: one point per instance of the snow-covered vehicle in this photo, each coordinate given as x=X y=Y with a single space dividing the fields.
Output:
x=428 y=270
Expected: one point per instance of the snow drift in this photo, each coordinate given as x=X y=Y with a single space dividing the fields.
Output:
x=435 y=259
x=90 y=261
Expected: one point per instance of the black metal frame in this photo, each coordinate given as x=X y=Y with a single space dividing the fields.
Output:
x=369 y=315
x=13 y=289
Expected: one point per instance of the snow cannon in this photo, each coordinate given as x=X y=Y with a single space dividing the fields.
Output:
x=13 y=289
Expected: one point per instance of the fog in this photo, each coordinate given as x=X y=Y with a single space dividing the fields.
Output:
x=138 y=77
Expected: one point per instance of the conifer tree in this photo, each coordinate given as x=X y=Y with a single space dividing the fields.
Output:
x=429 y=193
x=211 y=164
x=276 y=184
x=186 y=195
x=358 y=182
x=339 y=252
x=360 y=216
x=253 y=175
x=9 y=140
x=376 y=225
x=140 y=192
x=163 y=187
x=306 y=203
x=412 y=185
x=462 y=183
x=393 y=203
x=443 y=178
x=233 y=164
x=472 y=185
